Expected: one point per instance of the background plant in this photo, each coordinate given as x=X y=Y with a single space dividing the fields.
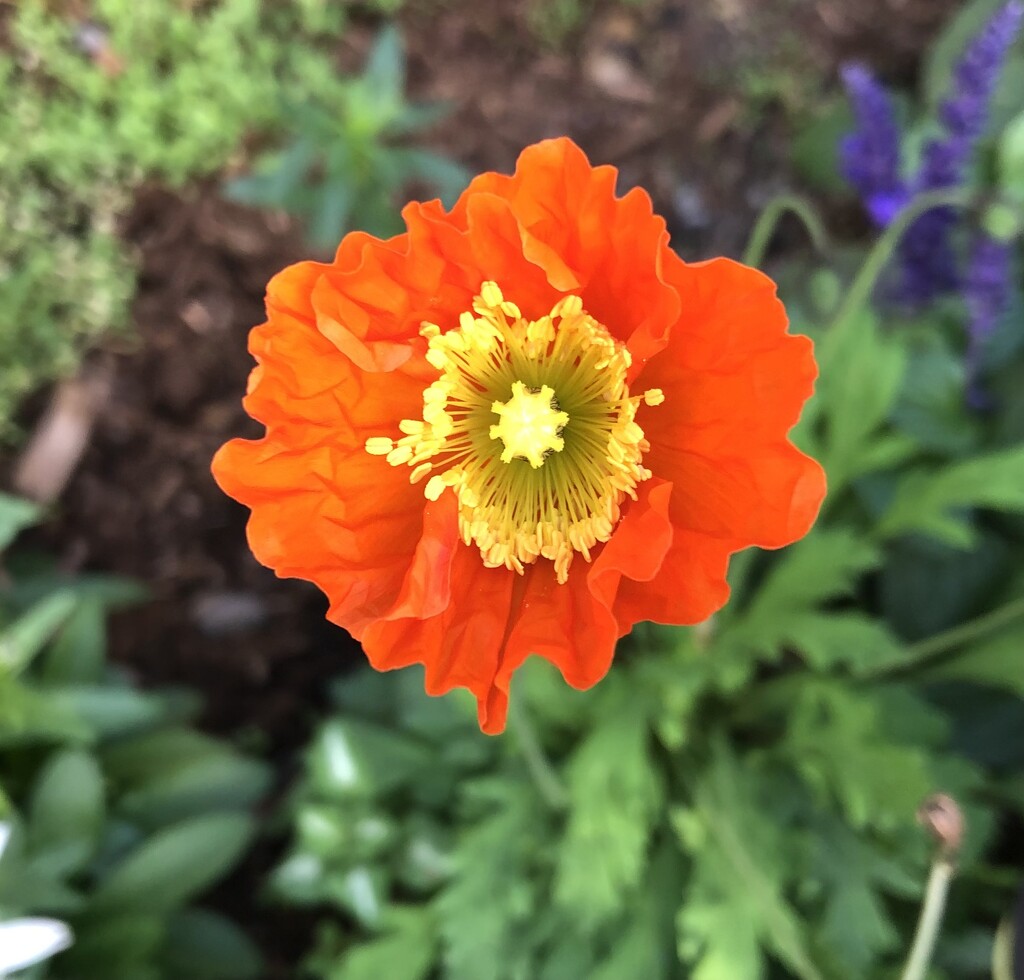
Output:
x=121 y=812
x=341 y=167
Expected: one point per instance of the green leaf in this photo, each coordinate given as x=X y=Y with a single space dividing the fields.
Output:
x=931 y=404
x=352 y=758
x=118 y=944
x=815 y=148
x=109 y=711
x=15 y=515
x=927 y=587
x=78 y=654
x=614 y=800
x=173 y=866
x=854 y=875
x=384 y=73
x=22 y=640
x=27 y=716
x=218 y=782
x=134 y=760
x=66 y=812
x=203 y=945
x=733 y=904
x=843 y=746
x=932 y=501
x=483 y=927
x=407 y=951
x=861 y=372
x=785 y=610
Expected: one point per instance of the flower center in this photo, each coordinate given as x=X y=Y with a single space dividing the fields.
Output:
x=548 y=479
x=531 y=425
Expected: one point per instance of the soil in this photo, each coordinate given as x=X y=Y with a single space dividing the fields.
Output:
x=664 y=90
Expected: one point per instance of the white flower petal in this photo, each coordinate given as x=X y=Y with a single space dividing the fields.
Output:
x=27 y=941
x=5 y=836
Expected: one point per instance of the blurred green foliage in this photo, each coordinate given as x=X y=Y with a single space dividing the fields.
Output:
x=341 y=167
x=167 y=91
x=123 y=813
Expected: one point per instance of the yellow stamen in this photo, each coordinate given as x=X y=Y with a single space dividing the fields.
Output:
x=549 y=478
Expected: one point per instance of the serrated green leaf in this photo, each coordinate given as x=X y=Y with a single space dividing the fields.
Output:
x=176 y=864
x=930 y=408
x=406 y=952
x=614 y=800
x=851 y=877
x=839 y=740
x=932 y=501
x=482 y=927
x=861 y=372
x=850 y=639
x=785 y=610
x=734 y=902
x=66 y=812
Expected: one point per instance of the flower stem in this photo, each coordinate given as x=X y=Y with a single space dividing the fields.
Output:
x=940 y=643
x=541 y=771
x=930 y=920
x=768 y=221
x=867 y=276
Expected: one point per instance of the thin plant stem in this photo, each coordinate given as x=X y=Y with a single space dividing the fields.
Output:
x=947 y=640
x=541 y=771
x=768 y=222
x=930 y=920
x=867 y=276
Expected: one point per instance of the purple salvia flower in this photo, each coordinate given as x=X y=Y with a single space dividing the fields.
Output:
x=926 y=253
x=870 y=156
x=987 y=290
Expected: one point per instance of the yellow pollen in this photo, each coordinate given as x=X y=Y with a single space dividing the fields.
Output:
x=530 y=425
x=549 y=479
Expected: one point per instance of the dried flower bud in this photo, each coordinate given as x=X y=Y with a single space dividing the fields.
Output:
x=944 y=820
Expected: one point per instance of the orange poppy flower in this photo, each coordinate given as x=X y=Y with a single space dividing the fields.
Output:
x=519 y=428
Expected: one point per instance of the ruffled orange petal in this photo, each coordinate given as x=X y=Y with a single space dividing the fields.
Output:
x=322 y=508
x=496 y=619
x=735 y=382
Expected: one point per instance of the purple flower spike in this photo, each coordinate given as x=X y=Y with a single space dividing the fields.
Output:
x=987 y=292
x=926 y=254
x=870 y=155
x=965 y=112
